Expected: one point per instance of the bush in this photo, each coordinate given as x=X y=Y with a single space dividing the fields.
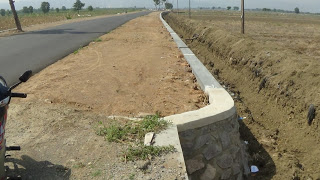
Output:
x=3 y=12
x=68 y=16
x=25 y=9
x=30 y=9
x=90 y=8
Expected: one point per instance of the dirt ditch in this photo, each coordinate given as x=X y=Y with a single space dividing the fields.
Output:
x=273 y=87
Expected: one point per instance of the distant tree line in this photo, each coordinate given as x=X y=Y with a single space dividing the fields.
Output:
x=266 y=9
x=296 y=10
x=215 y=7
x=46 y=8
x=236 y=8
x=204 y=7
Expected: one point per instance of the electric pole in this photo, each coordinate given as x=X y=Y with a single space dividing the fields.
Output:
x=178 y=6
x=189 y=10
x=14 y=12
x=242 y=16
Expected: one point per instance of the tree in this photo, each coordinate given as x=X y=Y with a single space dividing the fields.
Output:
x=9 y=12
x=236 y=8
x=296 y=10
x=78 y=5
x=45 y=7
x=213 y=7
x=30 y=9
x=266 y=9
x=168 y=5
x=3 y=12
x=156 y=3
x=57 y=10
x=162 y=2
x=25 y=9
x=229 y=7
x=63 y=8
x=15 y=15
x=90 y=8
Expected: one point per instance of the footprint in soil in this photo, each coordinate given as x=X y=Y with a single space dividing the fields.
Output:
x=28 y=168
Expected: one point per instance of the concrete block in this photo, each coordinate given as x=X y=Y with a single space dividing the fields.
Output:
x=221 y=108
x=168 y=137
x=148 y=138
x=186 y=52
x=178 y=41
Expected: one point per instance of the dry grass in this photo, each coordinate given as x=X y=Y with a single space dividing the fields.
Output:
x=7 y=22
x=298 y=32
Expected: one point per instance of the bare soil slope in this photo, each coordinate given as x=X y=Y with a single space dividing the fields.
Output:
x=134 y=70
x=273 y=87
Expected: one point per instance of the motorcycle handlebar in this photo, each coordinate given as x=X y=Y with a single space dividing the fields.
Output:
x=20 y=95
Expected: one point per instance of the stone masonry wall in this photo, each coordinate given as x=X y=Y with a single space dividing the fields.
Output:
x=215 y=151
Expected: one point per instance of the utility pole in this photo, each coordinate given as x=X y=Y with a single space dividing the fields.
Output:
x=178 y=7
x=14 y=12
x=242 y=16
x=189 y=10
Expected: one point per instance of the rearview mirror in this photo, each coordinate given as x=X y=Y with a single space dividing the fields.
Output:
x=25 y=76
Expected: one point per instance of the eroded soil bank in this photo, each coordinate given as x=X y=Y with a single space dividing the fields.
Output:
x=273 y=87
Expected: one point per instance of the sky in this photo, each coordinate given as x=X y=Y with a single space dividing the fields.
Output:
x=304 y=5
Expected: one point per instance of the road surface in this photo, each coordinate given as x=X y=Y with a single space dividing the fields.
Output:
x=37 y=49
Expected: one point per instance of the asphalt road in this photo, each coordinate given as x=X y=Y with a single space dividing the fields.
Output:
x=37 y=49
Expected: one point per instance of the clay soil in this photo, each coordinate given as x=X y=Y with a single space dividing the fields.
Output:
x=273 y=74
x=132 y=71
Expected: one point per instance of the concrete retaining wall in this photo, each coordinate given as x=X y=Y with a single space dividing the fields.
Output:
x=209 y=137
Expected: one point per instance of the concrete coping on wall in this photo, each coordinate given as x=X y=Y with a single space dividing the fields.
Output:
x=221 y=104
x=168 y=137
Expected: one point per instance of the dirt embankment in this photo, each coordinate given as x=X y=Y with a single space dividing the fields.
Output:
x=133 y=70
x=126 y=72
x=273 y=87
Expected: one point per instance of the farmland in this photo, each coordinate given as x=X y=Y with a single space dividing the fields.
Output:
x=7 y=22
x=272 y=72
x=299 y=31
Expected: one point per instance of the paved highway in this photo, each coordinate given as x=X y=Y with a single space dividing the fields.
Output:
x=37 y=49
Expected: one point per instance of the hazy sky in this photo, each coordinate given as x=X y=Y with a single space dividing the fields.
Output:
x=304 y=5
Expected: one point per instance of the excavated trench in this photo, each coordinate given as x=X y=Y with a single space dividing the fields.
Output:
x=272 y=92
